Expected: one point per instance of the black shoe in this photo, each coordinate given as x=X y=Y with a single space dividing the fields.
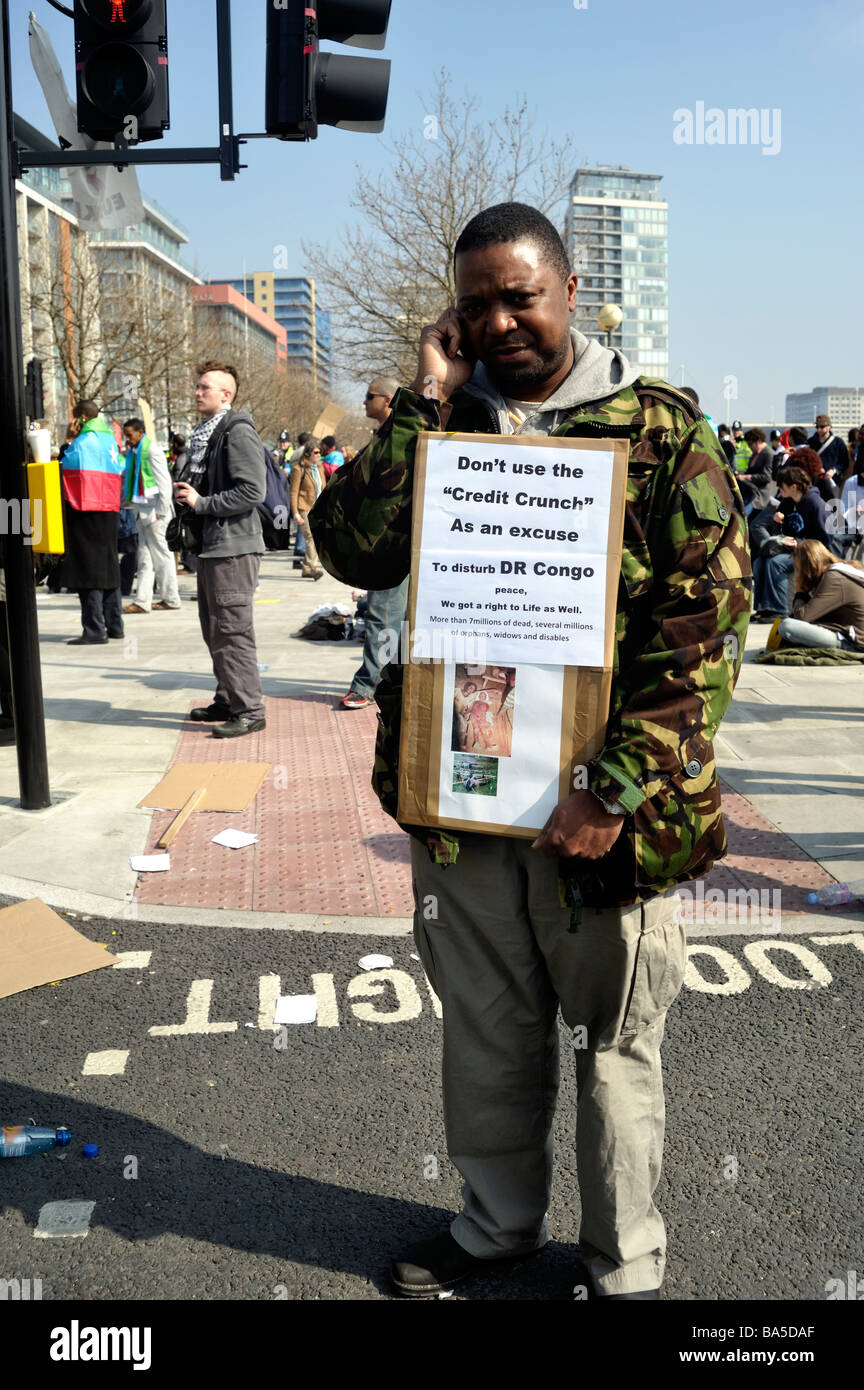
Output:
x=767 y=617
x=436 y=1265
x=116 y=636
x=7 y=736
x=87 y=642
x=239 y=724
x=209 y=714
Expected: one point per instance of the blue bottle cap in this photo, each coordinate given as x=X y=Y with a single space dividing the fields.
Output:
x=64 y=1136
x=812 y=898
x=90 y=1150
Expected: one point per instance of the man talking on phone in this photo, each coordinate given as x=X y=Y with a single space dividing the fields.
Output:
x=585 y=919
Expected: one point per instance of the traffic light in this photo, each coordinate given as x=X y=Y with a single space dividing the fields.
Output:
x=307 y=88
x=121 y=59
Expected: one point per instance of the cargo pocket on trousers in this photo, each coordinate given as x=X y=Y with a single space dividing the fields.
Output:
x=231 y=608
x=661 y=960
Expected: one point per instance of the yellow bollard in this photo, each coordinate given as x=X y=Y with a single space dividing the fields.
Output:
x=46 y=508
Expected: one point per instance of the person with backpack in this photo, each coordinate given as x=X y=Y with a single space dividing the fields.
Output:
x=229 y=461
x=501 y=950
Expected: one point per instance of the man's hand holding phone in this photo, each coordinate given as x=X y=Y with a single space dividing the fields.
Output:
x=443 y=365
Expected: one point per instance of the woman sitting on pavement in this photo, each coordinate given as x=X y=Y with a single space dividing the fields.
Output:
x=829 y=606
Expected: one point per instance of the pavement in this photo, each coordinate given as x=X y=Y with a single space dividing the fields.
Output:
x=328 y=858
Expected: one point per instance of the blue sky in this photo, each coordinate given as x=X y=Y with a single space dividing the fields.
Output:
x=765 y=259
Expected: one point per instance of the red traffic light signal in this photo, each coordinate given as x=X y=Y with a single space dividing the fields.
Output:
x=306 y=88
x=121 y=49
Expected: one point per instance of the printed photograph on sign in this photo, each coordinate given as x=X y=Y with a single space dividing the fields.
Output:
x=484 y=701
x=475 y=775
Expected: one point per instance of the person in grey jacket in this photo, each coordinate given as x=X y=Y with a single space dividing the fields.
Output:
x=227 y=450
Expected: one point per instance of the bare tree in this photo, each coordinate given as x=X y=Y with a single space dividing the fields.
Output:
x=392 y=269
x=115 y=333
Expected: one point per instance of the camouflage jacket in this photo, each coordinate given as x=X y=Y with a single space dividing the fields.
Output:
x=683 y=611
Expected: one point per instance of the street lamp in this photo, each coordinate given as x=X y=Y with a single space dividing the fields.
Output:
x=609 y=318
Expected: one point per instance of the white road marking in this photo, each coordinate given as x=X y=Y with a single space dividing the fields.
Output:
x=328 y=1009
x=197 y=1018
x=757 y=954
x=132 y=960
x=112 y=1063
x=64 y=1219
x=270 y=989
x=737 y=979
x=373 y=984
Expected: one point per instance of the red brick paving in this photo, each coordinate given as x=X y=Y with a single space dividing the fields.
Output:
x=326 y=847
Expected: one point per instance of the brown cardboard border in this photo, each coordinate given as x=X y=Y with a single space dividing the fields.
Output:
x=586 y=690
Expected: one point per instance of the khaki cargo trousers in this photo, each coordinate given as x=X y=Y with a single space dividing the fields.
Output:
x=494 y=941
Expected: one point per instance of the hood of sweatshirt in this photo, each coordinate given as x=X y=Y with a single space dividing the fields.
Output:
x=597 y=372
x=850 y=572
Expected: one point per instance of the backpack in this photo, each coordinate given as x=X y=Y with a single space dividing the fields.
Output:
x=274 y=510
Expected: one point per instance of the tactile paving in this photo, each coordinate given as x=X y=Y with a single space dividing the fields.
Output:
x=326 y=847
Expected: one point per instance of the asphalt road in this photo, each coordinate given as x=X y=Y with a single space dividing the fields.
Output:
x=297 y=1171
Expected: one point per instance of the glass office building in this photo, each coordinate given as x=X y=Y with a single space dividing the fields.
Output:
x=291 y=301
x=617 y=238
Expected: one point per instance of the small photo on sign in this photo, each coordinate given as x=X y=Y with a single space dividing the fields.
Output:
x=484 y=701
x=477 y=776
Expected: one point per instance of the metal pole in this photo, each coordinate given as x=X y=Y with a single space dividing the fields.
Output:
x=227 y=143
x=17 y=557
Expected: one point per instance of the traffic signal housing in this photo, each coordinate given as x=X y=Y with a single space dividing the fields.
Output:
x=121 y=60
x=306 y=88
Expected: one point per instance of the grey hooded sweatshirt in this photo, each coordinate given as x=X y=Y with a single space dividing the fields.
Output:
x=597 y=373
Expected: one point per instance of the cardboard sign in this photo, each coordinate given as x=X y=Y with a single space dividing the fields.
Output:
x=328 y=421
x=506 y=694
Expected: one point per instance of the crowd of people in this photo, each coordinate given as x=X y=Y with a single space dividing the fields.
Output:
x=803 y=495
x=804 y=498
x=137 y=516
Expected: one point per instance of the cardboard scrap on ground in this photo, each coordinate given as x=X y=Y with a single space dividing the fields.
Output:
x=37 y=948
x=228 y=786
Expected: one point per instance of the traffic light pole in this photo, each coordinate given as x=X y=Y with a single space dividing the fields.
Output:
x=17 y=557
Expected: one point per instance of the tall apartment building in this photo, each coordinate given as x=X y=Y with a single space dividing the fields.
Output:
x=228 y=325
x=292 y=302
x=844 y=404
x=616 y=234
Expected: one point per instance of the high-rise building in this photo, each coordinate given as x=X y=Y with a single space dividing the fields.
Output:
x=292 y=302
x=617 y=239
x=230 y=326
x=844 y=405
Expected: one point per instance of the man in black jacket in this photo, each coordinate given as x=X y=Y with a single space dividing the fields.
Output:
x=229 y=456
x=830 y=448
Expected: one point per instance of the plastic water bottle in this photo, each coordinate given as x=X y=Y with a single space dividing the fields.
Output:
x=836 y=894
x=16 y=1141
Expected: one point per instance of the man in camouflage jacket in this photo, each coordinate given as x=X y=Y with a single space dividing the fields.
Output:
x=499 y=942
